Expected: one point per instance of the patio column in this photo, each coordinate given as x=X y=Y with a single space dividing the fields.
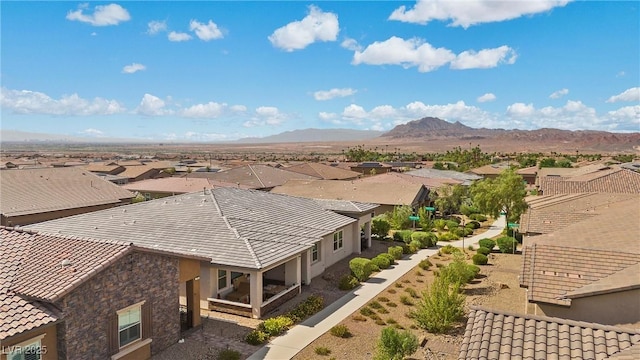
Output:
x=256 y=293
x=292 y=271
x=367 y=233
x=193 y=297
x=305 y=267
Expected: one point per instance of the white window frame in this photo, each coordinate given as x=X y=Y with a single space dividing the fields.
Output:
x=18 y=354
x=338 y=241
x=315 y=253
x=226 y=279
x=127 y=309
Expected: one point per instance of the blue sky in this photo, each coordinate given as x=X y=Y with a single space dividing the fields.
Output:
x=208 y=71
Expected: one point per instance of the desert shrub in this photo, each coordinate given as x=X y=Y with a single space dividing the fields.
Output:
x=391 y=291
x=306 y=308
x=449 y=249
x=228 y=354
x=398 y=285
x=380 y=226
x=406 y=281
x=392 y=304
x=358 y=317
x=448 y=236
x=375 y=305
x=406 y=249
x=256 y=337
x=406 y=300
x=322 y=351
x=507 y=244
x=470 y=247
x=460 y=231
x=361 y=268
x=452 y=224
x=472 y=225
x=383 y=311
x=392 y=260
x=414 y=247
x=391 y=321
x=468 y=210
x=412 y=292
x=395 y=345
x=380 y=322
x=383 y=299
x=480 y=259
x=425 y=264
x=396 y=252
x=467 y=231
x=474 y=270
x=348 y=282
x=458 y=271
x=478 y=217
x=403 y=235
x=487 y=243
x=439 y=224
x=341 y=331
x=275 y=325
x=441 y=306
x=426 y=239
x=419 y=273
x=381 y=261
x=366 y=311
x=483 y=250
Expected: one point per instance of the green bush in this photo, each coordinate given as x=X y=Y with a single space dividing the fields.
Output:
x=480 y=259
x=426 y=239
x=403 y=236
x=448 y=236
x=483 y=250
x=395 y=345
x=275 y=325
x=406 y=249
x=459 y=231
x=380 y=226
x=468 y=231
x=458 y=271
x=507 y=244
x=396 y=252
x=366 y=311
x=361 y=268
x=306 y=308
x=414 y=247
x=439 y=224
x=341 y=331
x=412 y=292
x=399 y=217
x=228 y=354
x=487 y=243
x=392 y=260
x=452 y=225
x=381 y=262
x=256 y=337
x=348 y=282
x=322 y=351
x=478 y=217
x=449 y=249
x=472 y=225
x=441 y=306
x=406 y=300
x=425 y=264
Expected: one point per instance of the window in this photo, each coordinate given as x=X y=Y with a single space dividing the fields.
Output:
x=28 y=350
x=315 y=252
x=337 y=241
x=222 y=279
x=129 y=325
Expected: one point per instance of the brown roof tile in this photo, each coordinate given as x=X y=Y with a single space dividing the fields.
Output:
x=500 y=335
x=394 y=177
x=258 y=176
x=620 y=181
x=322 y=171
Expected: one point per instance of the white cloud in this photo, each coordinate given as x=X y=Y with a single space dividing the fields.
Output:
x=327 y=116
x=484 y=59
x=520 y=109
x=628 y=112
x=468 y=13
x=92 y=132
x=266 y=115
x=558 y=94
x=103 y=15
x=238 y=108
x=198 y=136
x=151 y=105
x=130 y=69
x=417 y=52
x=207 y=31
x=351 y=44
x=208 y=110
x=632 y=94
x=176 y=36
x=316 y=26
x=33 y=102
x=486 y=98
x=94 y=34
x=156 y=26
x=333 y=93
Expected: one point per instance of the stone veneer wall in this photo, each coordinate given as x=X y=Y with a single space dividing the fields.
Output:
x=136 y=277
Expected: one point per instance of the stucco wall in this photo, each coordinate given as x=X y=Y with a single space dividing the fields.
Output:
x=329 y=257
x=134 y=278
x=48 y=344
x=45 y=216
x=610 y=309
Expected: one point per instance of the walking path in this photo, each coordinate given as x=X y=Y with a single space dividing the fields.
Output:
x=303 y=334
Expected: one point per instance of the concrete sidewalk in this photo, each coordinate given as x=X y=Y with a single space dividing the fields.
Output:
x=297 y=338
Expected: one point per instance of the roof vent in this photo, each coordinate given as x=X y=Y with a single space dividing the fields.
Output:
x=65 y=263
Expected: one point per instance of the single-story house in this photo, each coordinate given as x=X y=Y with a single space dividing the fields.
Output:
x=258 y=176
x=163 y=187
x=371 y=168
x=260 y=247
x=495 y=335
x=102 y=168
x=609 y=180
x=466 y=178
x=35 y=195
x=324 y=172
x=67 y=297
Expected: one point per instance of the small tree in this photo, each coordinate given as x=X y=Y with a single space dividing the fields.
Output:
x=399 y=217
x=507 y=245
x=504 y=193
x=441 y=305
x=380 y=226
x=396 y=345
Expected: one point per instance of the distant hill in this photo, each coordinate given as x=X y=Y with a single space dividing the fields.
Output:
x=16 y=136
x=314 y=135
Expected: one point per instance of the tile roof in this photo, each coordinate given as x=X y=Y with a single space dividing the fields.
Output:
x=606 y=181
x=375 y=193
x=491 y=335
x=394 y=177
x=322 y=171
x=104 y=168
x=171 y=185
x=51 y=189
x=32 y=274
x=258 y=176
x=466 y=179
x=346 y=206
x=132 y=172
x=586 y=258
x=232 y=227
x=491 y=169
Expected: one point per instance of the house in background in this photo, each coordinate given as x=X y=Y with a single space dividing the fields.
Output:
x=35 y=195
x=163 y=187
x=105 y=168
x=605 y=180
x=371 y=168
x=466 y=179
x=494 y=335
x=387 y=195
x=588 y=270
x=260 y=247
x=67 y=297
x=324 y=172
x=260 y=177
